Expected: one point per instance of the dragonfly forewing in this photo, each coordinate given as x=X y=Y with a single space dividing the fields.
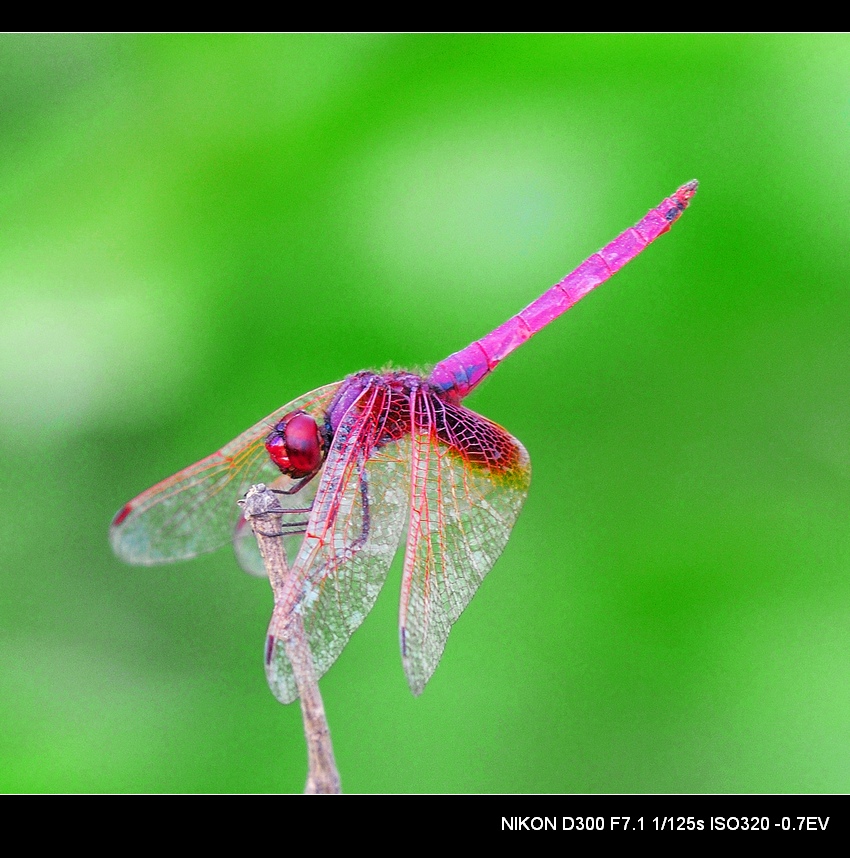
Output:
x=353 y=534
x=195 y=510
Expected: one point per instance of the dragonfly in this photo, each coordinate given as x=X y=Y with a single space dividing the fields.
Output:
x=358 y=460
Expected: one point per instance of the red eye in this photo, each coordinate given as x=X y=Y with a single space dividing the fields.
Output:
x=296 y=445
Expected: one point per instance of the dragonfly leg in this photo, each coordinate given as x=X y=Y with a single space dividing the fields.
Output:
x=347 y=553
x=297 y=487
x=364 y=527
x=289 y=528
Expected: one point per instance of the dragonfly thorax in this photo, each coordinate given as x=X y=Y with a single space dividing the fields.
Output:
x=297 y=445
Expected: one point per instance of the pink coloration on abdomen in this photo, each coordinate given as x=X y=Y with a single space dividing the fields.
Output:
x=459 y=373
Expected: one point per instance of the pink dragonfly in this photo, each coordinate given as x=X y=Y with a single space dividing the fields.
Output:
x=361 y=458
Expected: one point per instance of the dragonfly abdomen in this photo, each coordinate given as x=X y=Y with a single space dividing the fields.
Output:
x=459 y=373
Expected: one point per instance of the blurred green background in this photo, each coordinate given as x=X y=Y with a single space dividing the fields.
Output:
x=196 y=229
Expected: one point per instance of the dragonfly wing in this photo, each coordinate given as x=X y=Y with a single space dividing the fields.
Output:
x=352 y=536
x=195 y=510
x=469 y=478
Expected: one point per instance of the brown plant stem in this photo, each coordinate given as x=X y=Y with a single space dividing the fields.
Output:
x=262 y=509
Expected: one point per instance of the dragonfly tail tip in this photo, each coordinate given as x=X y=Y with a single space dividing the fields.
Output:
x=689 y=189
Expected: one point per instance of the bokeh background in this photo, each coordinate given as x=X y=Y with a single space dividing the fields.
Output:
x=196 y=229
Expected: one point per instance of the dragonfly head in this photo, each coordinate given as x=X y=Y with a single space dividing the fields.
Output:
x=297 y=445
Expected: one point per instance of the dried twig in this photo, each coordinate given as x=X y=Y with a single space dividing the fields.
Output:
x=262 y=509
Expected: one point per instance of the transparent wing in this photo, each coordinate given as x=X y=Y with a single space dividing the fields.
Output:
x=195 y=510
x=469 y=479
x=353 y=534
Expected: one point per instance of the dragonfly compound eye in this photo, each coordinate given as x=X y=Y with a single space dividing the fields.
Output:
x=296 y=445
